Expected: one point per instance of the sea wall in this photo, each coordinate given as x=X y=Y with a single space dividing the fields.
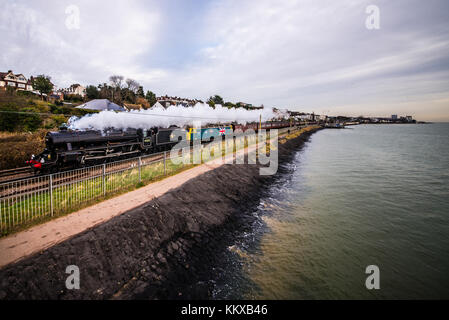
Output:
x=165 y=249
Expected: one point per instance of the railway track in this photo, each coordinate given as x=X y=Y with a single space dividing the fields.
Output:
x=15 y=174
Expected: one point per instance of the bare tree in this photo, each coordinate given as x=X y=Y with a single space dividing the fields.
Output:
x=116 y=81
x=117 y=85
x=132 y=85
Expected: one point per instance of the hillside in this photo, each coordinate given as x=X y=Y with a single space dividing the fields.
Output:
x=24 y=120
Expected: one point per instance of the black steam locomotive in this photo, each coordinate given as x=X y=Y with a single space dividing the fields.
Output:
x=67 y=149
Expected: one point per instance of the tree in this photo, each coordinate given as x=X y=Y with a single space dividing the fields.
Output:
x=128 y=95
x=140 y=92
x=211 y=103
x=117 y=86
x=105 y=91
x=132 y=85
x=217 y=99
x=116 y=81
x=213 y=100
x=229 y=105
x=92 y=92
x=143 y=102
x=42 y=84
x=151 y=98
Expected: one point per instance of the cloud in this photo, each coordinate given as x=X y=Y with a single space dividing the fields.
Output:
x=111 y=36
x=317 y=54
x=305 y=55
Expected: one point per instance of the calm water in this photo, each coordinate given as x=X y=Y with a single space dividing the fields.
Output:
x=372 y=194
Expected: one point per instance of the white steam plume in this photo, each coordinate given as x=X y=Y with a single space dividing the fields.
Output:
x=174 y=115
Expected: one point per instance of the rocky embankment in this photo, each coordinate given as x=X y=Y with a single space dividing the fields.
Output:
x=165 y=249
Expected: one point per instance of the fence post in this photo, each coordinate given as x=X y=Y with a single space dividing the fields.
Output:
x=104 y=179
x=165 y=163
x=140 y=169
x=50 y=187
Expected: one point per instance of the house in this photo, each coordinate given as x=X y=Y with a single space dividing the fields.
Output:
x=101 y=105
x=57 y=95
x=158 y=105
x=16 y=81
x=305 y=117
x=75 y=89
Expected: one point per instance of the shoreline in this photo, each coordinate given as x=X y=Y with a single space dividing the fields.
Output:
x=163 y=249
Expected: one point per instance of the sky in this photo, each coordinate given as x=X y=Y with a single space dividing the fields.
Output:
x=311 y=56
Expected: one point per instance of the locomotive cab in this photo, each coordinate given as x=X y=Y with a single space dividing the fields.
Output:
x=146 y=137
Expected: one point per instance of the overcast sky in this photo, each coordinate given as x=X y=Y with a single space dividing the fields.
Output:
x=304 y=55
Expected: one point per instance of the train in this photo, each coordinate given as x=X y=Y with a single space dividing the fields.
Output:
x=71 y=149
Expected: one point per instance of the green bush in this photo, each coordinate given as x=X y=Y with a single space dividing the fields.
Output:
x=69 y=110
x=27 y=94
x=55 y=121
x=55 y=109
x=46 y=115
x=10 y=91
x=73 y=98
x=9 y=119
x=30 y=121
x=12 y=118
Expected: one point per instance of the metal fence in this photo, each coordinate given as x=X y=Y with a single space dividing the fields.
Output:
x=23 y=201
x=26 y=200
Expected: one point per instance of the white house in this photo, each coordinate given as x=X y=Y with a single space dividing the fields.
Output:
x=75 y=89
x=158 y=105
x=305 y=117
x=17 y=81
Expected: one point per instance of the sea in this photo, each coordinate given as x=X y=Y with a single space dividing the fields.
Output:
x=366 y=195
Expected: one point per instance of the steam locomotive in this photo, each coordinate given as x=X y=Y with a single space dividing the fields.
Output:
x=70 y=149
